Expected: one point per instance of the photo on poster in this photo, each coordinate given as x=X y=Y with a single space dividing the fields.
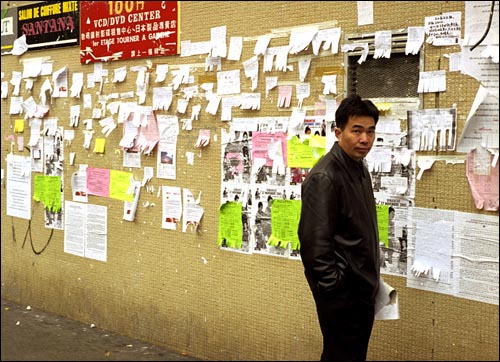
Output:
x=269 y=150
x=236 y=156
x=238 y=192
x=53 y=147
x=260 y=221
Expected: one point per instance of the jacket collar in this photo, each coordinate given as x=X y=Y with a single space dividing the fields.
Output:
x=355 y=169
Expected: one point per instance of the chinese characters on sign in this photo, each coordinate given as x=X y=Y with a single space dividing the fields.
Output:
x=112 y=30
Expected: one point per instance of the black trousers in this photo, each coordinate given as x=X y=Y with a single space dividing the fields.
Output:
x=346 y=325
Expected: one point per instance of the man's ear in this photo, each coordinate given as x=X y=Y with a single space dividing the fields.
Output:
x=338 y=131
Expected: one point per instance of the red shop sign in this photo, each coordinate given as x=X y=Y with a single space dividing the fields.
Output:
x=113 y=30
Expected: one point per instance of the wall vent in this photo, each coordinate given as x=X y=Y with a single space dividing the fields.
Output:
x=396 y=76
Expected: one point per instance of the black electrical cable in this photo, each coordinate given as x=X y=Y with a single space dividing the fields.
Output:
x=28 y=231
x=487 y=27
x=13 y=231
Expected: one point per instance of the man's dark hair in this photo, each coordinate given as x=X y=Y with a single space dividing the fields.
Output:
x=354 y=106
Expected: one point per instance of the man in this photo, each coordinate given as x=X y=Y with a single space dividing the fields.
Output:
x=338 y=235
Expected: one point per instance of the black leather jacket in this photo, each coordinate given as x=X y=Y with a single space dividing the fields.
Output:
x=338 y=229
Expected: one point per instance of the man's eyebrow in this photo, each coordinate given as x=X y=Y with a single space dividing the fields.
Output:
x=360 y=126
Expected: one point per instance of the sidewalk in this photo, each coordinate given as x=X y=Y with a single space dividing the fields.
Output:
x=29 y=334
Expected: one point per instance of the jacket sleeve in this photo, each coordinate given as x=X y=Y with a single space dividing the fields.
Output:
x=323 y=266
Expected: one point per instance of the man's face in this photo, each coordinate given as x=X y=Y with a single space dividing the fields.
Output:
x=357 y=137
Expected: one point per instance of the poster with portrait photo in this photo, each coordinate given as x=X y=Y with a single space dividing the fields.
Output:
x=260 y=221
x=236 y=156
x=166 y=162
x=315 y=125
x=298 y=175
x=396 y=175
x=53 y=148
x=269 y=158
x=394 y=255
x=239 y=192
x=233 y=191
x=292 y=192
x=390 y=132
x=268 y=176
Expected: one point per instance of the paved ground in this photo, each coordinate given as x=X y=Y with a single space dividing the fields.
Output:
x=29 y=334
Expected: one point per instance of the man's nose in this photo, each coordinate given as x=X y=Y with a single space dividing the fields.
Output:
x=364 y=137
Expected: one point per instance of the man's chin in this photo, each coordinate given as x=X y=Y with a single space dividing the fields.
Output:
x=362 y=154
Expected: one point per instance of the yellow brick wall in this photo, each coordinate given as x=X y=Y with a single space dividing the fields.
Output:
x=155 y=285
